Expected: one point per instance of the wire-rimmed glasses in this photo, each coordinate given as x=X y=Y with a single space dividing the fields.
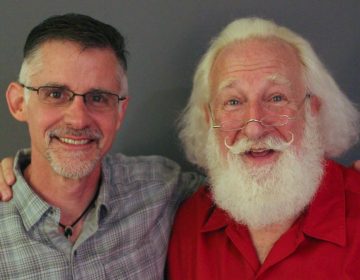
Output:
x=266 y=121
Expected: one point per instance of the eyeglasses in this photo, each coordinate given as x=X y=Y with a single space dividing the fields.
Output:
x=95 y=100
x=267 y=121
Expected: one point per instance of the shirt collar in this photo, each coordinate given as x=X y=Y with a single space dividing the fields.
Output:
x=324 y=219
x=217 y=217
x=30 y=206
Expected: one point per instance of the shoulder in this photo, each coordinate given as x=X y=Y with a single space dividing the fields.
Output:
x=11 y=221
x=351 y=179
x=191 y=220
x=156 y=175
x=196 y=209
x=141 y=167
x=347 y=180
x=346 y=176
x=8 y=210
x=202 y=198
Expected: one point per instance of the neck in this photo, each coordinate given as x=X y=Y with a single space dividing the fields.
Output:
x=264 y=238
x=72 y=197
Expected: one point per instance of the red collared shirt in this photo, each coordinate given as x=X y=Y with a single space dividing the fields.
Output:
x=324 y=243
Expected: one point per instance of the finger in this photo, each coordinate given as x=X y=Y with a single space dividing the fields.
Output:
x=7 y=170
x=7 y=178
x=357 y=165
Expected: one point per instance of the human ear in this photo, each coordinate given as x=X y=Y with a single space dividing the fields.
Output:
x=16 y=101
x=206 y=113
x=315 y=105
x=122 y=111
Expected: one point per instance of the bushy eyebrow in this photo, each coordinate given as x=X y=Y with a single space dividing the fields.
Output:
x=278 y=79
x=226 y=84
x=275 y=78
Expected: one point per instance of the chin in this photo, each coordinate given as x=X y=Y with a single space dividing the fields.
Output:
x=266 y=188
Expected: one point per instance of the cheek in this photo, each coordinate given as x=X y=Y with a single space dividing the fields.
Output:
x=297 y=129
x=39 y=122
x=108 y=127
x=229 y=137
x=38 y=126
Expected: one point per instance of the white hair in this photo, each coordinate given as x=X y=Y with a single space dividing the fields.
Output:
x=338 y=118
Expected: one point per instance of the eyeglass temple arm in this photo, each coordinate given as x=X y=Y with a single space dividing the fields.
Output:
x=213 y=125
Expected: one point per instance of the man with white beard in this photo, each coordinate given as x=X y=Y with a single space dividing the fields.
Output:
x=263 y=120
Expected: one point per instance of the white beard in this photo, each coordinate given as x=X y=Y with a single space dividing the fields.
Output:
x=261 y=196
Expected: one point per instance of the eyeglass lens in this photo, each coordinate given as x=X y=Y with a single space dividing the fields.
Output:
x=232 y=114
x=96 y=100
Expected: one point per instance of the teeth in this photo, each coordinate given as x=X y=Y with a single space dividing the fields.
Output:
x=259 y=150
x=73 y=141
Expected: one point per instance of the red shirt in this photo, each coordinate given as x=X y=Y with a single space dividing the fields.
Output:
x=324 y=243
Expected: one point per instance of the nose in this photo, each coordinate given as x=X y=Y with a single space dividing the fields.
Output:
x=77 y=113
x=253 y=128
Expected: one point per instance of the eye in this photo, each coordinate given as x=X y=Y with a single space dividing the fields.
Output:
x=53 y=94
x=56 y=93
x=232 y=104
x=278 y=99
x=98 y=98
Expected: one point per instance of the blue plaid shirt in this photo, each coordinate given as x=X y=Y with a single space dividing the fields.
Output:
x=125 y=234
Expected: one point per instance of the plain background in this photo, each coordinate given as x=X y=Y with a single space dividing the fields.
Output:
x=165 y=40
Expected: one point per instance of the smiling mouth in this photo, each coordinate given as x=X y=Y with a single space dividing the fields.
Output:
x=259 y=152
x=74 y=141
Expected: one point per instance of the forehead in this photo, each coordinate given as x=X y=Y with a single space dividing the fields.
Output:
x=271 y=59
x=69 y=63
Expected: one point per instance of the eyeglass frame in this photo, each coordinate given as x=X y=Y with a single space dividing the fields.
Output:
x=74 y=94
x=213 y=125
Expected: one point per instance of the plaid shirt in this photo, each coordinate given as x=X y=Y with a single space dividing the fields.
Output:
x=125 y=234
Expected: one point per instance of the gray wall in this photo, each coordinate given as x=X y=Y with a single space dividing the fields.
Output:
x=166 y=40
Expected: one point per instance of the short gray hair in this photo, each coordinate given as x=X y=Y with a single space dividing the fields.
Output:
x=83 y=30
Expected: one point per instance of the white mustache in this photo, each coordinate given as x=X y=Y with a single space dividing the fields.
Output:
x=270 y=143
